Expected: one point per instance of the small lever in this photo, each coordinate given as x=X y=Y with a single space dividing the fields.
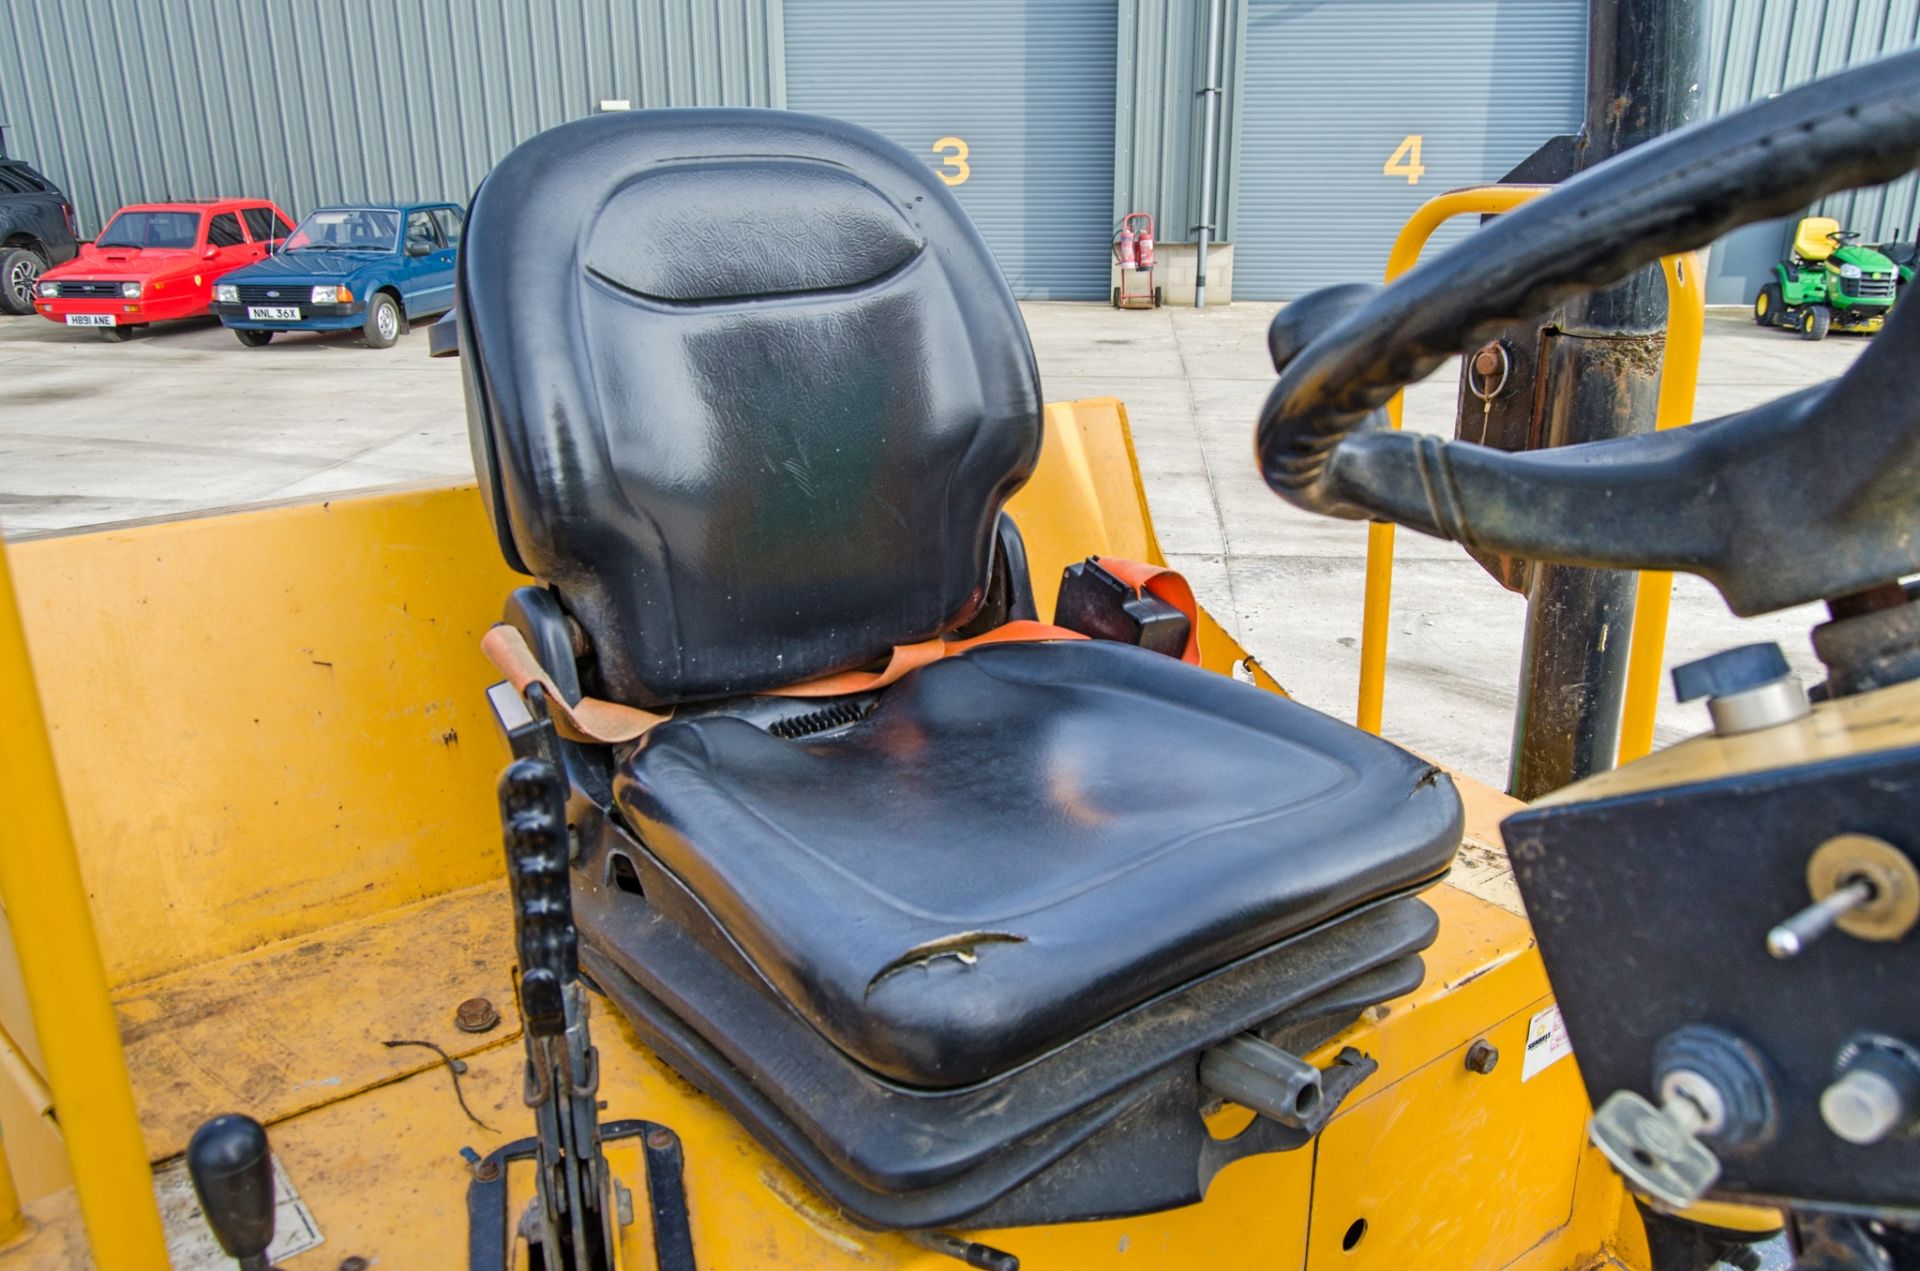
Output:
x=1793 y=935
x=232 y=1171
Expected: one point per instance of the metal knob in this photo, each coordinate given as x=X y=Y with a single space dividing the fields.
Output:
x=1787 y=939
x=1863 y=1106
x=1861 y=884
x=1877 y=1091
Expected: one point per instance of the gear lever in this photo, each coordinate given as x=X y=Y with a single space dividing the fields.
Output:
x=232 y=1172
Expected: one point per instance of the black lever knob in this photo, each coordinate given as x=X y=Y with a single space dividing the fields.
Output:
x=232 y=1173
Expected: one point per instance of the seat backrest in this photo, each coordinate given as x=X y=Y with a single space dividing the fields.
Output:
x=1810 y=241
x=745 y=387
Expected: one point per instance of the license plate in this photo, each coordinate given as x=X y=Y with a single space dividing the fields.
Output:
x=89 y=319
x=273 y=313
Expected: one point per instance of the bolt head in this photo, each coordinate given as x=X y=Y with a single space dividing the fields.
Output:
x=1487 y=360
x=355 y=1263
x=475 y=1015
x=1482 y=1056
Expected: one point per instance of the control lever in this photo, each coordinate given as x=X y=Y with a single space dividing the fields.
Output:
x=232 y=1171
x=571 y=1216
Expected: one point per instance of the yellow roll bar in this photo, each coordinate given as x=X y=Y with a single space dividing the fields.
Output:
x=1686 y=321
x=1679 y=376
x=46 y=904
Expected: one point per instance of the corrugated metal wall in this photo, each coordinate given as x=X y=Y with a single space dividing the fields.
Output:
x=1756 y=48
x=310 y=103
x=1018 y=117
x=370 y=98
x=1163 y=65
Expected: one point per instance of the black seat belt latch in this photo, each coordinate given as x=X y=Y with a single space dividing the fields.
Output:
x=1096 y=603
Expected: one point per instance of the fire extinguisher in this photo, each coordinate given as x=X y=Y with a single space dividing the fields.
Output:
x=1143 y=241
x=1123 y=246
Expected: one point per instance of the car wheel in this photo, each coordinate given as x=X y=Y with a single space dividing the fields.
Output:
x=116 y=335
x=20 y=269
x=1766 y=305
x=253 y=339
x=1815 y=322
x=383 y=322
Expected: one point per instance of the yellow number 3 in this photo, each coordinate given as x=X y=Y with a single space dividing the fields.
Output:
x=1405 y=162
x=954 y=169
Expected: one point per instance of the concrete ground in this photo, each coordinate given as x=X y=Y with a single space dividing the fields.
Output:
x=186 y=419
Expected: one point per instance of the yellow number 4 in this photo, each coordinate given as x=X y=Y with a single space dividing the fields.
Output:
x=1405 y=162
x=953 y=152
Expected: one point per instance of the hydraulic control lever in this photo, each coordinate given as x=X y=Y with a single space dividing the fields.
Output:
x=1805 y=498
x=232 y=1171
x=570 y=1218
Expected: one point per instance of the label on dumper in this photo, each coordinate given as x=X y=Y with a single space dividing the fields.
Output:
x=191 y=1246
x=1547 y=1043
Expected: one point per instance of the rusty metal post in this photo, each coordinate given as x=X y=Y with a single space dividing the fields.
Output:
x=1602 y=368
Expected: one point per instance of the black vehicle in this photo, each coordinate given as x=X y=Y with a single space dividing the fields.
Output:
x=36 y=231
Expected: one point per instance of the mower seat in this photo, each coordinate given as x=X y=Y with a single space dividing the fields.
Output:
x=1811 y=241
x=747 y=394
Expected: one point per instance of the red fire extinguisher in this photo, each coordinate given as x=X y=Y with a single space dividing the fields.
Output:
x=1143 y=241
x=1123 y=247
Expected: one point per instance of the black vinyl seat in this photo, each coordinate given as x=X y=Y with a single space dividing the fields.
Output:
x=1025 y=840
x=747 y=395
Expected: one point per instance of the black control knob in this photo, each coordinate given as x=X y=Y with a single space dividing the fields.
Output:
x=1747 y=688
x=232 y=1173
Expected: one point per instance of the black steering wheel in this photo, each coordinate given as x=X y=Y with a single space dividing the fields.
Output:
x=1813 y=495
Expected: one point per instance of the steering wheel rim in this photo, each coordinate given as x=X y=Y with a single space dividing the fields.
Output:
x=1320 y=443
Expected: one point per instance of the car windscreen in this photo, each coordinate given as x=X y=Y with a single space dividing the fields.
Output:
x=351 y=229
x=151 y=229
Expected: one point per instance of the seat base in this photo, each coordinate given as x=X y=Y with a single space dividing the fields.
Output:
x=1108 y=1124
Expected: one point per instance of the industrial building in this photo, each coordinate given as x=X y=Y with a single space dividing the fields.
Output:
x=1050 y=118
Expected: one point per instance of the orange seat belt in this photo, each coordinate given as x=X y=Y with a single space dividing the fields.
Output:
x=610 y=723
x=597 y=720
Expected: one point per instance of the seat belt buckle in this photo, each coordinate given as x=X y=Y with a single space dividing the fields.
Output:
x=1098 y=603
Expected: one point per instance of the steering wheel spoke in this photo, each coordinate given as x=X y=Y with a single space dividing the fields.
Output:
x=1813 y=495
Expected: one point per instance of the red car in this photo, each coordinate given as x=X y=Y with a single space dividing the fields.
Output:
x=157 y=261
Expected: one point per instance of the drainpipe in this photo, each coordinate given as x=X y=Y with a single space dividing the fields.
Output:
x=1209 y=112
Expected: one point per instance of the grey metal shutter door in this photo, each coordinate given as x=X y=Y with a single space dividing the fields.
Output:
x=1332 y=89
x=1028 y=85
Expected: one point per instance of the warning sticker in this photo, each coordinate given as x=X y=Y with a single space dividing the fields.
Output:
x=1547 y=1043
x=190 y=1244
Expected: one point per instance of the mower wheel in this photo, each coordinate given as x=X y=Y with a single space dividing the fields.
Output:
x=1815 y=322
x=1766 y=305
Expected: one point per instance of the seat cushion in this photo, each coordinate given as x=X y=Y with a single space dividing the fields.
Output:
x=1023 y=841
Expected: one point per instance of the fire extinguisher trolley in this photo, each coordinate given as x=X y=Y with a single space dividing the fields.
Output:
x=1133 y=252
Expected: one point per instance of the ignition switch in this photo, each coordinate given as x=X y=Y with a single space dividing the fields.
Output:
x=1712 y=1085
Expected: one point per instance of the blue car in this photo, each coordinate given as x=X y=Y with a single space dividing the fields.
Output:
x=370 y=269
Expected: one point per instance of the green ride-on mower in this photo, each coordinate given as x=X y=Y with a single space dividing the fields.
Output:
x=1905 y=256
x=1828 y=282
